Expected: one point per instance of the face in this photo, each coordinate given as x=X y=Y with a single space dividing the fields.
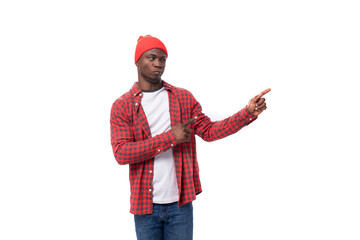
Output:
x=151 y=66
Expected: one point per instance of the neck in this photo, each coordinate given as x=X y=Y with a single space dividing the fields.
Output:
x=149 y=86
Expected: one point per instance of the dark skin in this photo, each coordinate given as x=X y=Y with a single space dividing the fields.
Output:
x=151 y=66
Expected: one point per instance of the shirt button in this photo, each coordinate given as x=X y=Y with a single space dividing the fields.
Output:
x=172 y=145
x=158 y=150
x=250 y=119
x=136 y=104
x=140 y=94
x=150 y=190
x=150 y=171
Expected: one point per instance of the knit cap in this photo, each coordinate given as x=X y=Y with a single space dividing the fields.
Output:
x=146 y=43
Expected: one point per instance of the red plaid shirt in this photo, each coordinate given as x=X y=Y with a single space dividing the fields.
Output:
x=133 y=144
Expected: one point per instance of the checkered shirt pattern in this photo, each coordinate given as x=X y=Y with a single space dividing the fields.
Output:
x=133 y=144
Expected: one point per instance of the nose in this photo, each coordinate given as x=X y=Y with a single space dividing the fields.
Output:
x=158 y=63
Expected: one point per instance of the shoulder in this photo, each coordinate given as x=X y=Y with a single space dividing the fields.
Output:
x=182 y=92
x=122 y=104
x=123 y=99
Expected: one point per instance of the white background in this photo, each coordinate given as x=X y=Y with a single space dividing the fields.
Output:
x=292 y=174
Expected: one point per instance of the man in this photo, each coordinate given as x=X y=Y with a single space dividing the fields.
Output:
x=153 y=129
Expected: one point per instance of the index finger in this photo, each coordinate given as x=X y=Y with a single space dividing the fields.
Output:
x=189 y=121
x=264 y=92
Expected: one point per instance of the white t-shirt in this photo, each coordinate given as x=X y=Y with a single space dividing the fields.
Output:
x=156 y=107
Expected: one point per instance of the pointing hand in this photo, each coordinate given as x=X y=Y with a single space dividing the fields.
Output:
x=182 y=131
x=257 y=104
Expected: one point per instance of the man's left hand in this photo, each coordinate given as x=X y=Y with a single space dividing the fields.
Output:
x=257 y=104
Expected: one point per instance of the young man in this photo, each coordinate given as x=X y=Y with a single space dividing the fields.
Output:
x=153 y=129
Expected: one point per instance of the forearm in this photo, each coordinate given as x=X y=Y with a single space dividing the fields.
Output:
x=129 y=152
x=211 y=131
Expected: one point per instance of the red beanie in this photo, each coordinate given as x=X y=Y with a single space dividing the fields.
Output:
x=146 y=43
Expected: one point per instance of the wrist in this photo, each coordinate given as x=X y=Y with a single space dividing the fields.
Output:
x=250 y=110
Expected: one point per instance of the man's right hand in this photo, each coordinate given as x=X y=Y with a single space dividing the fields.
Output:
x=182 y=131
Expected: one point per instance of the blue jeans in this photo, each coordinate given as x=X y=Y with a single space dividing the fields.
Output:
x=168 y=222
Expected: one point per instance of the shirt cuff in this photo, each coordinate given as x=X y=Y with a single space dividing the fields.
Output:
x=247 y=116
x=168 y=140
